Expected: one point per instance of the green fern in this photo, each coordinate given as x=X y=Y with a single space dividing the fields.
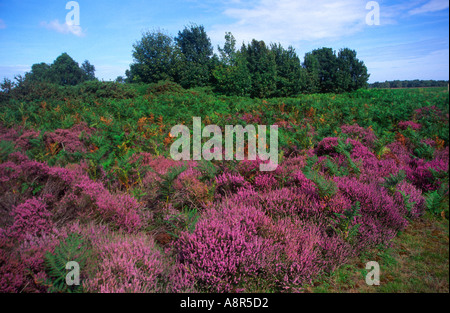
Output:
x=334 y=169
x=345 y=149
x=6 y=148
x=166 y=184
x=391 y=181
x=208 y=170
x=409 y=205
x=434 y=201
x=325 y=188
x=186 y=220
x=349 y=231
x=424 y=151
x=73 y=248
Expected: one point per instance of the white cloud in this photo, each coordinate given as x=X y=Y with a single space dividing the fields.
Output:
x=64 y=28
x=431 y=6
x=289 y=21
x=2 y=24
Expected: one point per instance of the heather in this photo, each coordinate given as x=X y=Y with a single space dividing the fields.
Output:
x=90 y=179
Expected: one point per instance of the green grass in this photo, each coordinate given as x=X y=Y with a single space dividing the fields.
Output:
x=417 y=261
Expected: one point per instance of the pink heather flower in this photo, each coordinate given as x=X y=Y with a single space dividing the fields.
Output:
x=366 y=136
x=126 y=263
x=411 y=124
x=31 y=218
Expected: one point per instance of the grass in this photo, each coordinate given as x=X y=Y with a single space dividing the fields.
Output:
x=417 y=261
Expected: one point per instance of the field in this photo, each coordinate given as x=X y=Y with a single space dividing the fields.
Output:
x=86 y=175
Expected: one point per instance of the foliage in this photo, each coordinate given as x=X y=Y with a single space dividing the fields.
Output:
x=72 y=249
x=197 y=51
x=156 y=57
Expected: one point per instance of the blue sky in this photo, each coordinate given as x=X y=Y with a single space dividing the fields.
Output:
x=410 y=42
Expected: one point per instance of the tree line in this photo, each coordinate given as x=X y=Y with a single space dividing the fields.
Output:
x=255 y=69
x=416 y=83
x=64 y=71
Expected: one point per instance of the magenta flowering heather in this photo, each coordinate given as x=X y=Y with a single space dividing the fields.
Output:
x=227 y=183
x=24 y=140
x=125 y=263
x=224 y=249
x=366 y=136
x=407 y=195
x=265 y=182
x=121 y=210
x=31 y=218
x=376 y=207
x=327 y=146
x=413 y=125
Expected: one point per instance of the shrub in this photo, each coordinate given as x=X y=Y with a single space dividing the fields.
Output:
x=31 y=218
x=126 y=263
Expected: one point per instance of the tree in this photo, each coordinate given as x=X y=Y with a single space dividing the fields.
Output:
x=40 y=72
x=327 y=69
x=288 y=71
x=310 y=75
x=197 y=52
x=262 y=67
x=156 y=57
x=231 y=75
x=65 y=71
x=352 y=73
x=120 y=79
x=88 y=70
x=228 y=52
x=7 y=85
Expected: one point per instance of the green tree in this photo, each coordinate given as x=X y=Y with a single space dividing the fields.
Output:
x=288 y=71
x=88 y=70
x=40 y=72
x=327 y=69
x=231 y=75
x=228 y=52
x=7 y=85
x=65 y=71
x=262 y=67
x=352 y=73
x=120 y=79
x=156 y=57
x=197 y=52
x=310 y=74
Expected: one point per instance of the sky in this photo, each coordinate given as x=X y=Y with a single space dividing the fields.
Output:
x=396 y=39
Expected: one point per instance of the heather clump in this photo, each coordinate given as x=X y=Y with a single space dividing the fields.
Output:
x=69 y=193
x=411 y=124
x=224 y=250
x=31 y=218
x=236 y=244
x=131 y=264
x=356 y=132
x=379 y=214
x=69 y=140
